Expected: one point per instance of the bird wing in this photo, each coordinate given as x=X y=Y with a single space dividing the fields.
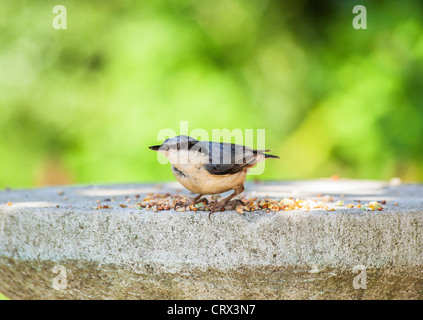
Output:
x=228 y=158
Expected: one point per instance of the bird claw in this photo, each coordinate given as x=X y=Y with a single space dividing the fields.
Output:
x=179 y=203
x=235 y=203
x=203 y=200
x=217 y=208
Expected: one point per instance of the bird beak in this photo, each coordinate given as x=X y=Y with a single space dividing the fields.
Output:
x=155 y=148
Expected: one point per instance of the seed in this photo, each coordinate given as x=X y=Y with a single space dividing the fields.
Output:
x=327 y=198
x=240 y=210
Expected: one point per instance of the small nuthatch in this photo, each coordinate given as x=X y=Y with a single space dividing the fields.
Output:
x=206 y=167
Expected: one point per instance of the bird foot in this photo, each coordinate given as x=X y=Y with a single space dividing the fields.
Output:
x=234 y=203
x=217 y=207
x=178 y=204
x=203 y=200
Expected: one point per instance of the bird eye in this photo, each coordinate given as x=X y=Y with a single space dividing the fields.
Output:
x=178 y=146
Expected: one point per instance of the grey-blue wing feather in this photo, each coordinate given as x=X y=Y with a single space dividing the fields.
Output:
x=228 y=158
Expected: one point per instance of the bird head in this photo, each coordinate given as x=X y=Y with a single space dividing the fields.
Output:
x=175 y=144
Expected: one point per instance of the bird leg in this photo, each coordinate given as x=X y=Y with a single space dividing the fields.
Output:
x=221 y=205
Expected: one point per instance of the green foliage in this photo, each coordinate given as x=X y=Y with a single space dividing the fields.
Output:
x=3 y=297
x=85 y=103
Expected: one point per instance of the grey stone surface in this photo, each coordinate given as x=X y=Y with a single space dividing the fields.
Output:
x=129 y=253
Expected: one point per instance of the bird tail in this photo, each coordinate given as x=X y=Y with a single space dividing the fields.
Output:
x=266 y=156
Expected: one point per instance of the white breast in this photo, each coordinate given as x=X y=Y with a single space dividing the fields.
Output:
x=188 y=169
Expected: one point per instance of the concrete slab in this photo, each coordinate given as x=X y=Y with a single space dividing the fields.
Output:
x=126 y=253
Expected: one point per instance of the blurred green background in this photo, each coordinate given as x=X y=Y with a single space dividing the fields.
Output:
x=82 y=105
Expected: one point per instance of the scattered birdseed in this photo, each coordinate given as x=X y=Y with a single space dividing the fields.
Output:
x=181 y=203
x=104 y=206
x=372 y=206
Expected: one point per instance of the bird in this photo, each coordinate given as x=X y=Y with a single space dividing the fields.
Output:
x=208 y=168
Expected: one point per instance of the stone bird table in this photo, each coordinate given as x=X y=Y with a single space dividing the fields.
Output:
x=55 y=245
